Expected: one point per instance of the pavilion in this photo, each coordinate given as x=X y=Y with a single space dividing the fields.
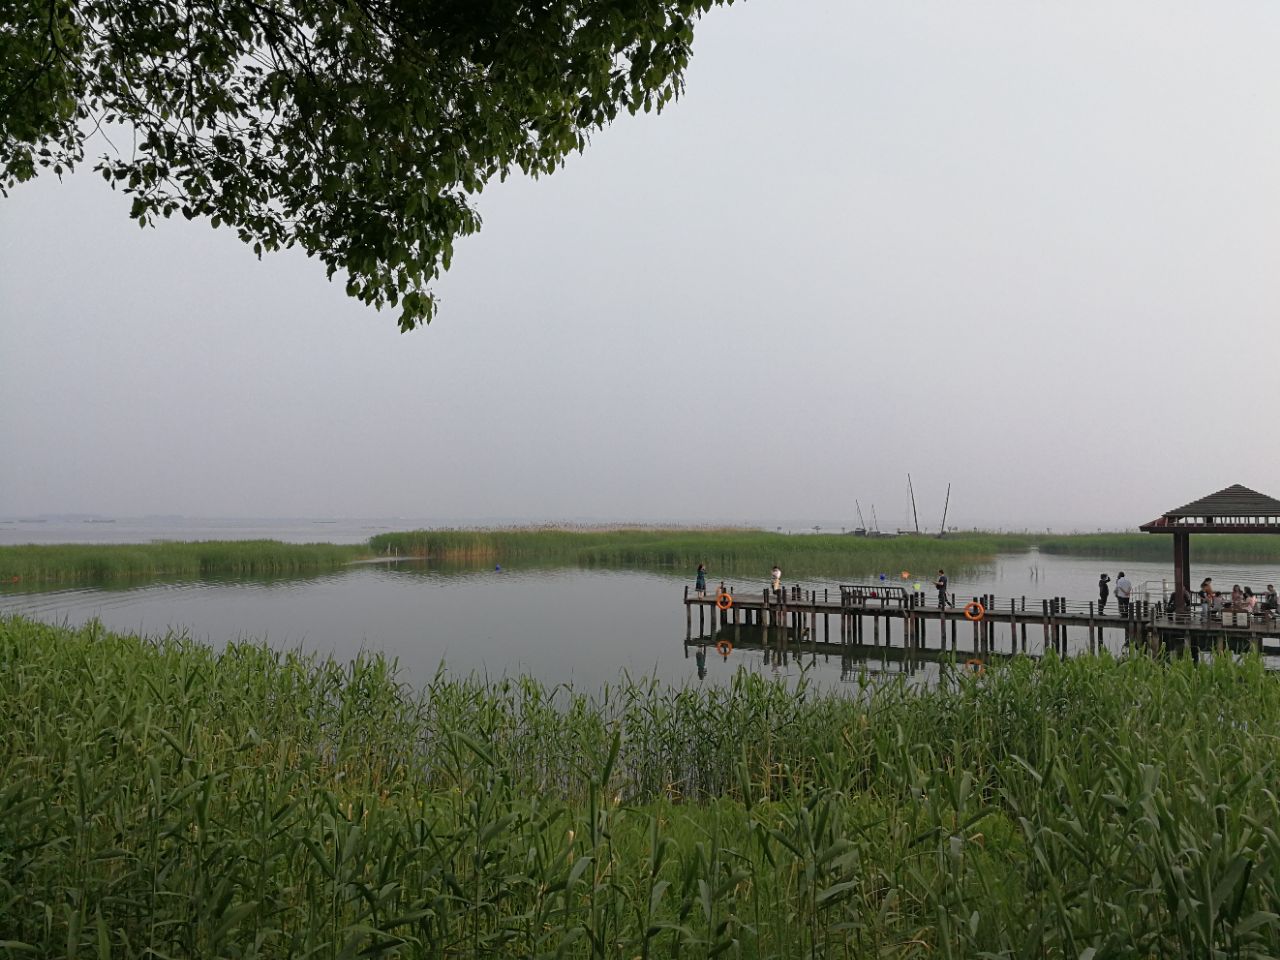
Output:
x=1236 y=509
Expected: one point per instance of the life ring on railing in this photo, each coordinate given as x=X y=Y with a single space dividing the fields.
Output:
x=724 y=601
x=976 y=666
x=973 y=610
x=724 y=648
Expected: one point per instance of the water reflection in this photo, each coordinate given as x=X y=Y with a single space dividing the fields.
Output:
x=580 y=626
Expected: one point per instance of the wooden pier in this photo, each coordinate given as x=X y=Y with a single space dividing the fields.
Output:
x=871 y=616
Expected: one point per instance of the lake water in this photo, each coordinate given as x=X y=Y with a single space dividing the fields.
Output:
x=579 y=626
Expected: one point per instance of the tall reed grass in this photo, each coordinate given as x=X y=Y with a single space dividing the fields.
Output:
x=77 y=562
x=729 y=550
x=161 y=799
x=1220 y=548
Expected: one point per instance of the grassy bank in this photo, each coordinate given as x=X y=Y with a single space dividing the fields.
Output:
x=726 y=552
x=1224 y=548
x=82 y=562
x=730 y=550
x=158 y=798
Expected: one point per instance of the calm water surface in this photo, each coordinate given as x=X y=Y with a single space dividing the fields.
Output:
x=581 y=626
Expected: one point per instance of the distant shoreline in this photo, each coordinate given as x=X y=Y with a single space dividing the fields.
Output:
x=724 y=549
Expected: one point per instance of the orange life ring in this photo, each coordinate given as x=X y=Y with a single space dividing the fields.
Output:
x=977 y=666
x=724 y=601
x=973 y=610
x=724 y=648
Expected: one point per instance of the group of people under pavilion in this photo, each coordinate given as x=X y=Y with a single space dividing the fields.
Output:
x=1233 y=510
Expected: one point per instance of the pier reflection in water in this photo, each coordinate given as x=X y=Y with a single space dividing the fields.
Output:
x=578 y=626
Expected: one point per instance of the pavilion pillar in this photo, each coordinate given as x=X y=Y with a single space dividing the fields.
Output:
x=1181 y=571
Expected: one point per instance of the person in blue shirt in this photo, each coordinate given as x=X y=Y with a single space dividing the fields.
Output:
x=700 y=583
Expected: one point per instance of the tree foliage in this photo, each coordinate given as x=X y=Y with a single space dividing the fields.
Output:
x=359 y=130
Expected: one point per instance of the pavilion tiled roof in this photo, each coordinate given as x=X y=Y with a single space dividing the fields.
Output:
x=1234 y=501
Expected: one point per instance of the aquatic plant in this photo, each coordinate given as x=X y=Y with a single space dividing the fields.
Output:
x=79 y=562
x=1220 y=548
x=724 y=550
x=160 y=798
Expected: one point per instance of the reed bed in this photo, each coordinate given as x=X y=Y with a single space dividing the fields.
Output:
x=728 y=550
x=81 y=562
x=1219 y=548
x=162 y=799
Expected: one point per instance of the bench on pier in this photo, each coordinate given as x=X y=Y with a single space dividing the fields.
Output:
x=859 y=593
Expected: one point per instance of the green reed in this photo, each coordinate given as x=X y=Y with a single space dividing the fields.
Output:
x=79 y=562
x=162 y=799
x=1222 y=548
x=724 y=550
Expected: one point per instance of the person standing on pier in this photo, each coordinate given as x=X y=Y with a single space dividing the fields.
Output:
x=1124 y=590
x=1209 y=598
x=1104 y=591
x=700 y=583
x=941 y=584
x=775 y=581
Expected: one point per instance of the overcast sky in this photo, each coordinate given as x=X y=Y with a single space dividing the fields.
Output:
x=1030 y=249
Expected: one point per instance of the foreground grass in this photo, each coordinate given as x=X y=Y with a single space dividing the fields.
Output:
x=158 y=798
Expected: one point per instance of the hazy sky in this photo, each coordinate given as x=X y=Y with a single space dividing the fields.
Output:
x=1030 y=249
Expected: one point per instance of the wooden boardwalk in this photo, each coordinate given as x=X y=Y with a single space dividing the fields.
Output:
x=869 y=615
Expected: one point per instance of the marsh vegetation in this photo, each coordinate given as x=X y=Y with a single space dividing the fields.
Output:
x=728 y=551
x=159 y=798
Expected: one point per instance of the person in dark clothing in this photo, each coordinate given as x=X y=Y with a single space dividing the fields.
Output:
x=1104 y=591
x=700 y=582
x=941 y=584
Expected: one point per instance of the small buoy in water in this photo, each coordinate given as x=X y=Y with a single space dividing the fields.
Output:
x=883 y=577
x=906 y=574
x=915 y=587
x=498 y=567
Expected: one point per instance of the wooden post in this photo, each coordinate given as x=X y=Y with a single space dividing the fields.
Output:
x=1023 y=631
x=1093 y=648
x=1044 y=614
x=989 y=626
x=1013 y=626
x=1063 y=608
x=688 y=615
x=1062 y=629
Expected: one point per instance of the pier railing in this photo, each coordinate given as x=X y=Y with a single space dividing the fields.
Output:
x=806 y=614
